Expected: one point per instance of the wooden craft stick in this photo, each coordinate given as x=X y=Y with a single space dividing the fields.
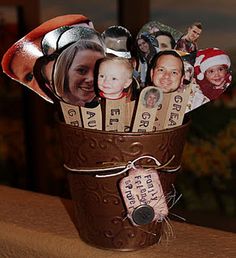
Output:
x=115 y=75
x=161 y=113
x=71 y=114
x=115 y=115
x=129 y=110
x=149 y=100
x=92 y=117
x=176 y=108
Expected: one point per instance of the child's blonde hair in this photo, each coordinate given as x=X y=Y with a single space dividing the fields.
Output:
x=121 y=60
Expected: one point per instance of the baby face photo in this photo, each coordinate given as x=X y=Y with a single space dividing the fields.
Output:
x=212 y=71
x=114 y=77
x=19 y=60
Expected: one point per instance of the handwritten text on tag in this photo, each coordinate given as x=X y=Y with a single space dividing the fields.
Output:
x=142 y=189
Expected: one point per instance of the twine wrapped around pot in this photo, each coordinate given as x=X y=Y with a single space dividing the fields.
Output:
x=101 y=216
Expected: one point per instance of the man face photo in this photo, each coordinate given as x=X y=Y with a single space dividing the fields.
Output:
x=167 y=74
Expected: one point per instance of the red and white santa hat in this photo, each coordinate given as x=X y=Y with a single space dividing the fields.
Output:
x=207 y=58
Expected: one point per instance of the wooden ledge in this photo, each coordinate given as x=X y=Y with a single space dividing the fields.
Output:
x=38 y=225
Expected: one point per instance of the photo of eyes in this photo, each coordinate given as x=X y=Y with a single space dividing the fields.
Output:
x=123 y=115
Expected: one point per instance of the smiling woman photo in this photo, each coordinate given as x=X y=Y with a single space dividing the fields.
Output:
x=73 y=74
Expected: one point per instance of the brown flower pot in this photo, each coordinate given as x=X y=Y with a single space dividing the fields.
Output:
x=101 y=216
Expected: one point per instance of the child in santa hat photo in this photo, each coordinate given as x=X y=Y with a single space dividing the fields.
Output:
x=212 y=72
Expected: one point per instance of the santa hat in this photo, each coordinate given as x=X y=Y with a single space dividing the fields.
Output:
x=207 y=58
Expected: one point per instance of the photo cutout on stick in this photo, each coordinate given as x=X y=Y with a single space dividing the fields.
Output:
x=19 y=60
x=164 y=39
x=114 y=80
x=155 y=26
x=118 y=41
x=188 y=79
x=212 y=75
x=73 y=73
x=212 y=71
x=115 y=75
x=152 y=97
x=146 y=47
x=188 y=41
x=52 y=47
x=188 y=73
x=167 y=71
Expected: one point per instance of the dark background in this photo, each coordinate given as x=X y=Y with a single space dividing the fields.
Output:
x=30 y=155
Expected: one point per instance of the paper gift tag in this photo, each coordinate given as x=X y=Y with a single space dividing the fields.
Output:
x=149 y=100
x=71 y=114
x=143 y=196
